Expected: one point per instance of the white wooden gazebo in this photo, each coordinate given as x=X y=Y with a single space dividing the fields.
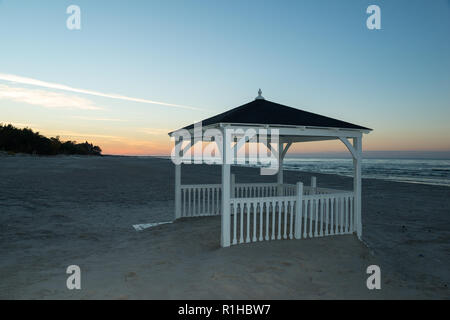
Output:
x=253 y=212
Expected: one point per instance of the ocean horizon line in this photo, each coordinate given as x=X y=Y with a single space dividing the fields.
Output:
x=414 y=155
x=406 y=170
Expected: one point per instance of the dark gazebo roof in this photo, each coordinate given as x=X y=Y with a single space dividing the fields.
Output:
x=261 y=111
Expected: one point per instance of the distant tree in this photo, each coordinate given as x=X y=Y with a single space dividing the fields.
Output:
x=24 y=140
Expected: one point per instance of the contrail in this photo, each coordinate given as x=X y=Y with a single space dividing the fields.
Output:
x=50 y=85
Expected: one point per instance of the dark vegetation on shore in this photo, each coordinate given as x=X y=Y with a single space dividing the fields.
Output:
x=25 y=140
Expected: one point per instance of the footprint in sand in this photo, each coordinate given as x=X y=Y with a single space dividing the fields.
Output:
x=130 y=276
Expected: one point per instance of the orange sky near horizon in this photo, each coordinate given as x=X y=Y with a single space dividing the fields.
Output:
x=156 y=141
x=161 y=144
x=124 y=85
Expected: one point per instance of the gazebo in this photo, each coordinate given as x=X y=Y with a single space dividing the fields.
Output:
x=253 y=212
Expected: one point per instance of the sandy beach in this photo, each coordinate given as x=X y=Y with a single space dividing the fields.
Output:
x=61 y=211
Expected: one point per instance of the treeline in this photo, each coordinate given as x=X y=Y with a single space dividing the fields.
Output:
x=17 y=140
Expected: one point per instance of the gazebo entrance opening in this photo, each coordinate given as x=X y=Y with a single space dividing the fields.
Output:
x=253 y=212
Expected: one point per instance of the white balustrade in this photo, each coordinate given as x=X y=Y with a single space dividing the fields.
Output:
x=258 y=219
x=328 y=214
x=275 y=217
x=200 y=200
x=259 y=213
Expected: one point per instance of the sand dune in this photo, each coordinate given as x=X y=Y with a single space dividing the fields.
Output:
x=59 y=211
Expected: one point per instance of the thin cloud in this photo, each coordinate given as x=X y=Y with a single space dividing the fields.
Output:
x=99 y=119
x=73 y=134
x=45 y=98
x=62 y=133
x=50 y=85
x=19 y=124
x=154 y=131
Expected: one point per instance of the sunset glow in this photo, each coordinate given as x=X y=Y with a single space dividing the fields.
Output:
x=125 y=93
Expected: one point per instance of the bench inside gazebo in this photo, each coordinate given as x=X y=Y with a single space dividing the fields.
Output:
x=253 y=212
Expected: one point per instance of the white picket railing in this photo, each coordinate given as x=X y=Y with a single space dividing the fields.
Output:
x=254 y=190
x=257 y=190
x=268 y=211
x=327 y=214
x=307 y=190
x=200 y=200
x=289 y=189
x=258 y=219
x=205 y=199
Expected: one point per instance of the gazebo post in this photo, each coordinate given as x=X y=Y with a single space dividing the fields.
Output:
x=178 y=146
x=177 y=191
x=299 y=212
x=357 y=159
x=225 y=209
x=280 y=169
x=313 y=185
x=233 y=185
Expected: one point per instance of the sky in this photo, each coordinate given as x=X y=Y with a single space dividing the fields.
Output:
x=139 y=69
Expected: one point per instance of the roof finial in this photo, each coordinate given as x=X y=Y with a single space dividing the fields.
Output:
x=259 y=97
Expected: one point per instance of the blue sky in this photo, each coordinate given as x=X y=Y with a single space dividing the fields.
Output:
x=314 y=55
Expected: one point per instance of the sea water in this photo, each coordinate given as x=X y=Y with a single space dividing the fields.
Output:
x=427 y=171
